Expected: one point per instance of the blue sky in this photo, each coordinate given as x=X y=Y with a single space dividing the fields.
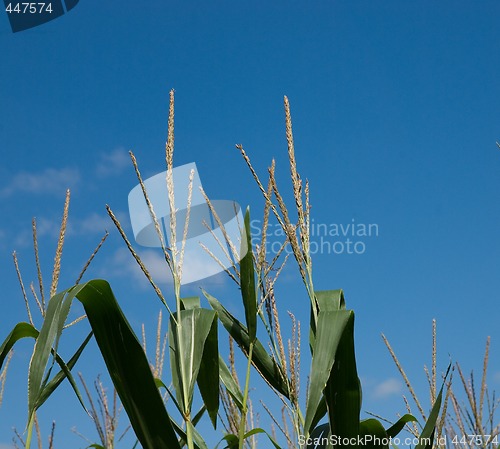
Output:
x=396 y=114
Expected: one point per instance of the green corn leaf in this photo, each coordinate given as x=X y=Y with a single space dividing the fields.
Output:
x=262 y=361
x=330 y=300
x=128 y=367
x=21 y=330
x=199 y=442
x=326 y=300
x=193 y=347
x=231 y=386
x=258 y=430
x=343 y=389
x=320 y=413
x=190 y=302
x=372 y=434
x=55 y=316
x=208 y=376
x=175 y=368
x=247 y=272
x=319 y=438
x=232 y=441
x=45 y=346
x=399 y=425
x=330 y=328
x=427 y=435
x=65 y=372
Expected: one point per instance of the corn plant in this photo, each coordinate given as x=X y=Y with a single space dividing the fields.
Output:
x=334 y=390
x=468 y=424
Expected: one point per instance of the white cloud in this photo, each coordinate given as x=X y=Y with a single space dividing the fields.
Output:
x=122 y=264
x=45 y=227
x=389 y=387
x=6 y=446
x=113 y=163
x=50 y=181
x=94 y=223
x=50 y=227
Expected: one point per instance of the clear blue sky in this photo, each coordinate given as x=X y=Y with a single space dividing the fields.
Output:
x=396 y=113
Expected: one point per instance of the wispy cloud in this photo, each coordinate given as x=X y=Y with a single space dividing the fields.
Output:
x=388 y=387
x=51 y=181
x=94 y=223
x=122 y=264
x=49 y=227
x=113 y=163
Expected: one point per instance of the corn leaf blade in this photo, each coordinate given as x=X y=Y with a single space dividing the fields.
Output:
x=128 y=367
x=247 y=272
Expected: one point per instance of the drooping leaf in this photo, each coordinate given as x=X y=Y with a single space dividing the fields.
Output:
x=232 y=441
x=24 y=330
x=231 y=386
x=399 y=425
x=373 y=435
x=262 y=361
x=128 y=367
x=51 y=386
x=21 y=330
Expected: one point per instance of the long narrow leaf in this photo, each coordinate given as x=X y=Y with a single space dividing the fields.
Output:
x=326 y=300
x=21 y=330
x=24 y=330
x=343 y=389
x=427 y=435
x=399 y=425
x=262 y=361
x=330 y=328
x=372 y=434
x=61 y=375
x=208 y=376
x=198 y=331
x=231 y=386
x=247 y=272
x=128 y=367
